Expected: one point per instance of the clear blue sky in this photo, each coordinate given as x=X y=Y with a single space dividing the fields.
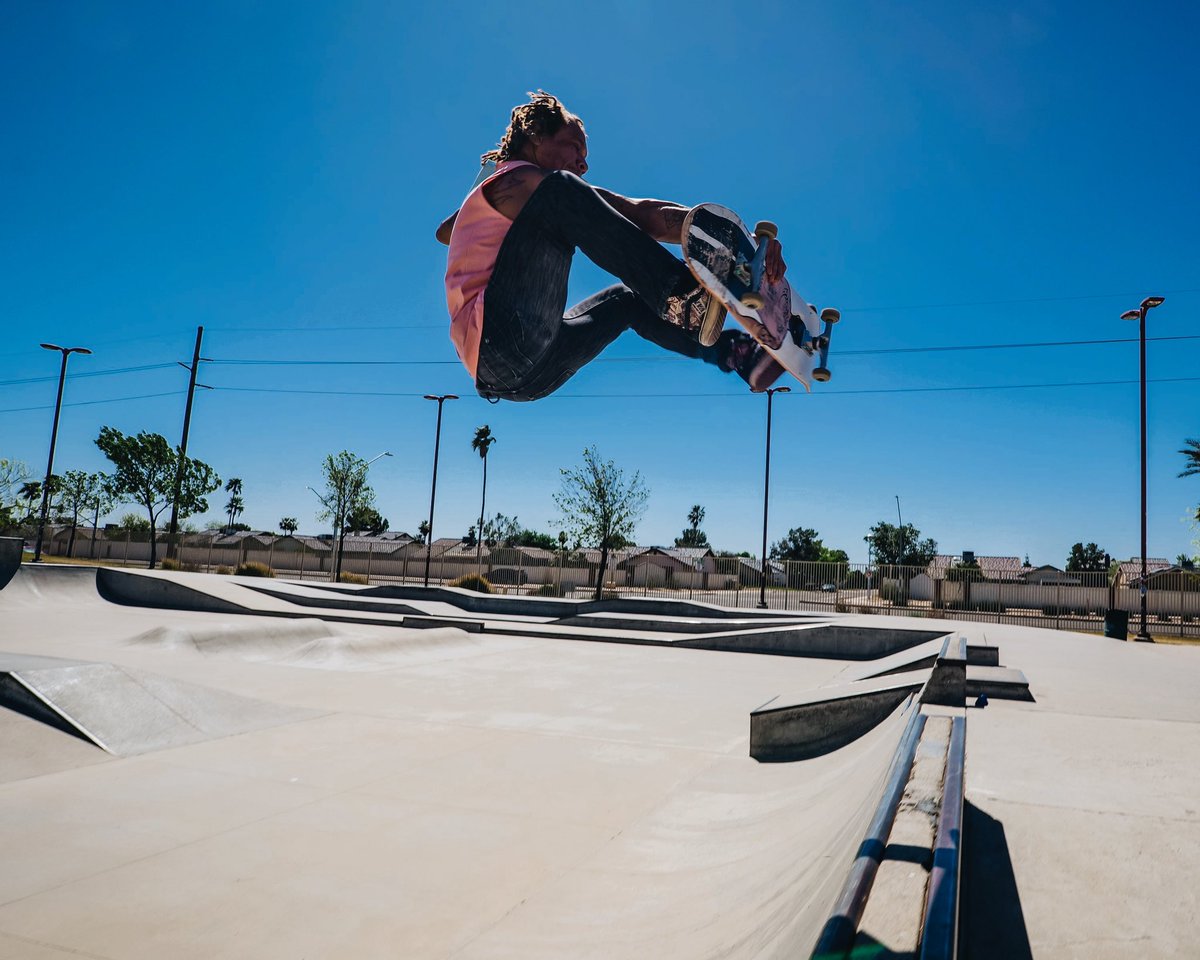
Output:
x=949 y=175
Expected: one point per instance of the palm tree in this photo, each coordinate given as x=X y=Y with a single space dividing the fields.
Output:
x=481 y=443
x=1191 y=453
x=288 y=525
x=30 y=490
x=234 y=506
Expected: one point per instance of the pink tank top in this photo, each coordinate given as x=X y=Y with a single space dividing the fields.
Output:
x=478 y=232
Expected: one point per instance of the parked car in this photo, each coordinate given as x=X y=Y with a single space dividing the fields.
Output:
x=829 y=588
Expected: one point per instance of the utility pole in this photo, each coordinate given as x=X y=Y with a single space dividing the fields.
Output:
x=762 y=586
x=62 y=380
x=187 y=423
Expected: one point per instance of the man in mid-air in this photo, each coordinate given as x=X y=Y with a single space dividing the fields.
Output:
x=511 y=244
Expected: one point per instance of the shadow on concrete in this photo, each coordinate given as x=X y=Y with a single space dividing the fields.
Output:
x=991 y=921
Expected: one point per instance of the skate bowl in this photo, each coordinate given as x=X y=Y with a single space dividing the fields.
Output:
x=633 y=621
x=10 y=558
x=550 y=785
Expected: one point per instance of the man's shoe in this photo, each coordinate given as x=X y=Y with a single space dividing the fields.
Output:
x=699 y=313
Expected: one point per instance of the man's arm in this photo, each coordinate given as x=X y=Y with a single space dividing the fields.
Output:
x=661 y=219
x=447 y=228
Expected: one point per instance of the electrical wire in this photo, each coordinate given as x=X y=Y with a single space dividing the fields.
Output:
x=840 y=353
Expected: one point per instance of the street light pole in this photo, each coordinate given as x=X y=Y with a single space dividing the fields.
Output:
x=173 y=526
x=900 y=559
x=1140 y=315
x=762 y=587
x=437 y=442
x=62 y=379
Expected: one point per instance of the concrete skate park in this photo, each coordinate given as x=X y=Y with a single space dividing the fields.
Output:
x=197 y=766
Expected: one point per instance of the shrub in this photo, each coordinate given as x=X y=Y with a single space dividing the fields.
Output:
x=550 y=590
x=357 y=578
x=224 y=571
x=473 y=581
x=252 y=568
x=894 y=593
x=170 y=563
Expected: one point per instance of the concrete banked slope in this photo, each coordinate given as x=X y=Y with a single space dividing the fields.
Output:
x=448 y=776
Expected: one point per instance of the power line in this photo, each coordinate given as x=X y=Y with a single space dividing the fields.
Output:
x=842 y=353
x=830 y=393
x=89 y=403
x=1008 y=303
x=914 y=306
x=89 y=373
x=618 y=396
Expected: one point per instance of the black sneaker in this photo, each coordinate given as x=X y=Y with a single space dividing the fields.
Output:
x=699 y=313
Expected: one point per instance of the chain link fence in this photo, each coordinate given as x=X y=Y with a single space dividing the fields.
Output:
x=1036 y=598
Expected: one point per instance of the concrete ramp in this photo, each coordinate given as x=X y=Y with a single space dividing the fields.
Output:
x=726 y=866
x=128 y=712
x=828 y=719
x=310 y=643
x=36 y=584
x=10 y=559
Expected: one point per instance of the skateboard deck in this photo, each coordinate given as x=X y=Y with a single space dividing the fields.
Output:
x=728 y=259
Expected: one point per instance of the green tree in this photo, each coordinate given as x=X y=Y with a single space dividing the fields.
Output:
x=422 y=531
x=531 y=538
x=235 y=506
x=132 y=523
x=965 y=573
x=800 y=544
x=481 y=443
x=833 y=556
x=76 y=495
x=145 y=469
x=31 y=491
x=14 y=475
x=346 y=493
x=600 y=507
x=288 y=525
x=902 y=546
x=366 y=520
x=693 y=536
x=1191 y=454
x=501 y=531
x=103 y=499
x=1089 y=559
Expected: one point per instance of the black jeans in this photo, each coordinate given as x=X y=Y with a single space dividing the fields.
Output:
x=530 y=347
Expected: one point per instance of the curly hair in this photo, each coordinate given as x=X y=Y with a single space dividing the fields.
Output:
x=543 y=116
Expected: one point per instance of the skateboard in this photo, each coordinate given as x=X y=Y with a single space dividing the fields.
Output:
x=727 y=258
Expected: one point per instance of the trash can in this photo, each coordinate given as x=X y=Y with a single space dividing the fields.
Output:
x=1116 y=624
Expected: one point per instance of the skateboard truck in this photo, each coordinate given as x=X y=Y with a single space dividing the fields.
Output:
x=829 y=316
x=764 y=230
x=818 y=344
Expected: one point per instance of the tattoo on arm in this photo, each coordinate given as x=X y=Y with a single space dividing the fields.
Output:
x=672 y=222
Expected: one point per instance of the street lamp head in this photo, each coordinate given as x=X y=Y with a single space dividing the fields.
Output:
x=448 y=396
x=1131 y=315
x=1151 y=302
x=55 y=346
x=51 y=346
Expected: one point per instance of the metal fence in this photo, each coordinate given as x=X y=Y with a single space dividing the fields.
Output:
x=1067 y=601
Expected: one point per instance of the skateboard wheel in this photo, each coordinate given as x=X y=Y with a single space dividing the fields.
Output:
x=831 y=315
x=821 y=374
x=754 y=301
x=765 y=228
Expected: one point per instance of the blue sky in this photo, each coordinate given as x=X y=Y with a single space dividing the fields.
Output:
x=956 y=175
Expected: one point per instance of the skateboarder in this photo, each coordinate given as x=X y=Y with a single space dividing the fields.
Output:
x=511 y=244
